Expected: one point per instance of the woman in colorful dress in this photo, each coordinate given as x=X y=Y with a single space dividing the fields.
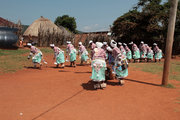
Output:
x=110 y=64
x=72 y=54
x=98 y=65
x=128 y=52
x=136 y=53
x=83 y=53
x=123 y=51
x=120 y=64
x=149 y=53
x=92 y=47
x=105 y=45
x=36 y=55
x=157 y=52
x=143 y=51
x=58 y=55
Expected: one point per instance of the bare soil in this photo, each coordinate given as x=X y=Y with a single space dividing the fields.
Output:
x=68 y=94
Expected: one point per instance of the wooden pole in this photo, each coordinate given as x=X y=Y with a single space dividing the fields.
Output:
x=169 y=41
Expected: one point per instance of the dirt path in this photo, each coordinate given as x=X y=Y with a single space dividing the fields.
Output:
x=67 y=94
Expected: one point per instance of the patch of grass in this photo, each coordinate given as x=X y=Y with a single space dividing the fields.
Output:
x=12 y=60
x=46 y=50
x=12 y=52
x=157 y=68
x=169 y=86
x=175 y=70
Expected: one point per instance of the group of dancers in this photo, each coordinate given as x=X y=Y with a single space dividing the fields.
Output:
x=107 y=61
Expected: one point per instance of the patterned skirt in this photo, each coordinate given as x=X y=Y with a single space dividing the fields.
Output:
x=98 y=70
x=143 y=54
x=136 y=54
x=60 y=58
x=158 y=55
x=84 y=56
x=37 y=58
x=73 y=56
x=150 y=56
x=121 y=71
x=129 y=55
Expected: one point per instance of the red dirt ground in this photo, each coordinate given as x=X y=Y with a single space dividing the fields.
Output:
x=67 y=94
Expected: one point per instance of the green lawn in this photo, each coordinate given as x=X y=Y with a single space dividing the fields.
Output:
x=13 y=60
x=157 y=68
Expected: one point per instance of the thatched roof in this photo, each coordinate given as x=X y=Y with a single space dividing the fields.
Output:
x=43 y=24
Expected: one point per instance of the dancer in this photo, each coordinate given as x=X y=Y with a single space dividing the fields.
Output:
x=83 y=53
x=143 y=51
x=128 y=52
x=157 y=52
x=36 y=55
x=135 y=49
x=71 y=51
x=120 y=64
x=92 y=47
x=123 y=51
x=105 y=45
x=58 y=55
x=98 y=66
x=149 y=53
x=110 y=64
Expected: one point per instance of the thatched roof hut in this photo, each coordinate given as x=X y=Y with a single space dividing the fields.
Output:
x=42 y=23
x=43 y=31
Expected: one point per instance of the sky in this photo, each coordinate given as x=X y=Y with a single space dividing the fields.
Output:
x=91 y=15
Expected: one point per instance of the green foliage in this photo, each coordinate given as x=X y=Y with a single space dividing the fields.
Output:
x=147 y=21
x=24 y=27
x=67 y=22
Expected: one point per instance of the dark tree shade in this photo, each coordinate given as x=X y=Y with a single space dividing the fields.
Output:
x=148 y=22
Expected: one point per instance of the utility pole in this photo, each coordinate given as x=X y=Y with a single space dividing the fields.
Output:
x=169 y=41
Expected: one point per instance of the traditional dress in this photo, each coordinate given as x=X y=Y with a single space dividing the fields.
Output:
x=143 y=50
x=37 y=55
x=128 y=53
x=123 y=51
x=136 y=54
x=105 y=46
x=72 y=52
x=121 y=64
x=83 y=52
x=98 y=66
x=59 y=55
x=158 y=52
x=149 y=53
x=92 y=47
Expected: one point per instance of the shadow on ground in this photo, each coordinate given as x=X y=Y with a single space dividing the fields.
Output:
x=88 y=86
x=131 y=80
x=30 y=67
x=82 y=72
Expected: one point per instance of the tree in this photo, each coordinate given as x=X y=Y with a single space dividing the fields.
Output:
x=147 y=21
x=67 y=22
